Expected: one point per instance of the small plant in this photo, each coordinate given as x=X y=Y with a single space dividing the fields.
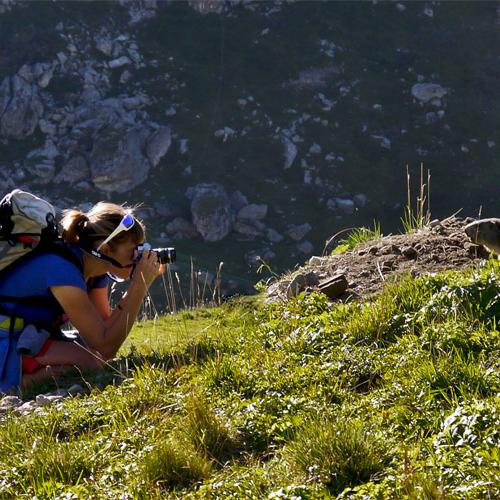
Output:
x=173 y=463
x=339 y=453
x=207 y=431
x=358 y=236
x=418 y=217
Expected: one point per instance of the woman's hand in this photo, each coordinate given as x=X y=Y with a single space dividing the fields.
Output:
x=148 y=268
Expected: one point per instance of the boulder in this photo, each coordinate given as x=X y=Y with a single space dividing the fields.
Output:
x=211 y=211
x=116 y=159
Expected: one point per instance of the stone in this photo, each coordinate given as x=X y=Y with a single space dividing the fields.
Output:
x=181 y=228
x=297 y=232
x=158 y=144
x=211 y=211
x=76 y=389
x=253 y=211
x=273 y=236
x=289 y=152
x=119 y=62
x=9 y=402
x=427 y=92
x=334 y=286
x=305 y=247
x=76 y=169
x=246 y=229
x=300 y=282
x=116 y=159
x=238 y=200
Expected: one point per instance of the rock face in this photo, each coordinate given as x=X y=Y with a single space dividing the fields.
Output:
x=20 y=107
x=92 y=109
x=211 y=211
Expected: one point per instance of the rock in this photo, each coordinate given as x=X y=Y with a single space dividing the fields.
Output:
x=205 y=7
x=181 y=228
x=119 y=62
x=43 y=170
x=305 y=247
x=224 y=133
x=315 y=149
x=334 y=286
x=247 y=229
x=45 y=400
x=238 y=200
x=409 y=252
x=345 y=205
x=253 y=212
x=314 y=78
x=20 y=107
x=289 y=151
x=9 y=403
x=428 y=92
x=300 y=282
x=273 y=235
x=117 y=162
x=318 y=261
x=158 y=144
x=254 y=258
x=211 y=211
x=76 y=169
x=76 y=389
x=360 y=200
x=297 y=232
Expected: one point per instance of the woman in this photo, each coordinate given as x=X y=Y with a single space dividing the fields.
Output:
x=104 y=241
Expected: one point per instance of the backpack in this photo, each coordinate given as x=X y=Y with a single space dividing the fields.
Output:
x=28 y=227
x=25 y=219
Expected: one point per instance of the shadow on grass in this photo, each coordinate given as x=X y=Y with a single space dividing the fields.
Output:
x=122 y=368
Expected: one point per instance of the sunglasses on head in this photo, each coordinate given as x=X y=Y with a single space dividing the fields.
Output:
x=125 y=224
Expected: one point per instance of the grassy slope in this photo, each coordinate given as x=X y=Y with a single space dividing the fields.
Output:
x=394 y=398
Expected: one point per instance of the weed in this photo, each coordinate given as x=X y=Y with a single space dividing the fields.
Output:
x=418 y=217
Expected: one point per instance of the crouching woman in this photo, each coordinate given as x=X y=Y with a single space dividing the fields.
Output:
x=70 y=283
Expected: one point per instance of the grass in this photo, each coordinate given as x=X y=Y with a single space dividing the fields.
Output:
x=394 y=398
x=356 y=237
x=417 y=217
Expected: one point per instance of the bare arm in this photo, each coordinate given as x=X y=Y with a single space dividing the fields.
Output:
x=106 y=334
x=99 y=297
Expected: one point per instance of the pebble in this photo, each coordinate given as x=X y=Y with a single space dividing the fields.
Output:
x=20 y=407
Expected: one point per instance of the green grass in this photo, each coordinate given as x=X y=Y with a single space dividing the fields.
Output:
x=356 y=237
x=398 y=397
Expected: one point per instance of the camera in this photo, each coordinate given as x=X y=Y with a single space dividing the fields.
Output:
x=165 y=255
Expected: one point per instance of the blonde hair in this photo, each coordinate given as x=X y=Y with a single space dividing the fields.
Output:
x=87 y=229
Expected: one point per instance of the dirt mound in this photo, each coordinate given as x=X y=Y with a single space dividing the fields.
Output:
x=442 y=245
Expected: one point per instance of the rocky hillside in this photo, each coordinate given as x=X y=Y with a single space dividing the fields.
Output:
x=251 y=129
x=365 y=271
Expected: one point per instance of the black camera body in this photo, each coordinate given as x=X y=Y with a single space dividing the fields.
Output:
x=165 y=255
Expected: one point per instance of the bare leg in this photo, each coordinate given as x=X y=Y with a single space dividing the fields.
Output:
x=62 y=356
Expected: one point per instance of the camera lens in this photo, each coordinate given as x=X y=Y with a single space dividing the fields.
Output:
x=165 y=255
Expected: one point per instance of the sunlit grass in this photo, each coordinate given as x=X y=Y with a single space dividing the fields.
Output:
x=304 y=399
